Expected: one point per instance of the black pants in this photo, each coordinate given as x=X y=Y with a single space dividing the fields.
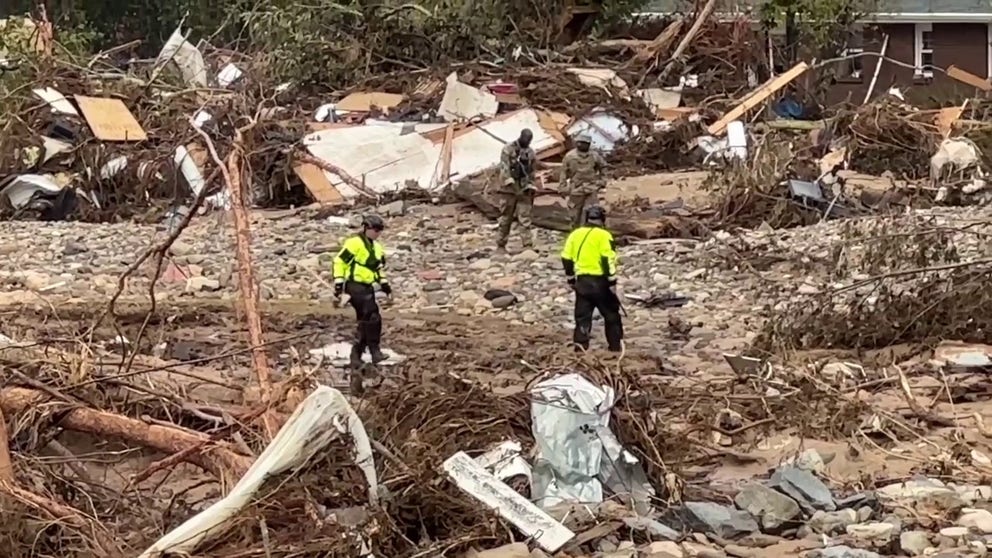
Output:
x=592 y=293
x=367 y=313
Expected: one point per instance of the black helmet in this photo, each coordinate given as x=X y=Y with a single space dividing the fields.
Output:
x=373 y=222
x=595 y=213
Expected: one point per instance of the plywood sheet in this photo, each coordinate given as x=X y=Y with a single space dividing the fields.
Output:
x=315 y=180
x=110 y=119
x=968 y=78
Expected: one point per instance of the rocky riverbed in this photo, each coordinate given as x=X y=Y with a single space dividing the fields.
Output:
x=712 y=296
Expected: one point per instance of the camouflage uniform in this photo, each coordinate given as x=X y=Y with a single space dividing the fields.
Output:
x=516 y=192
x=582 y=179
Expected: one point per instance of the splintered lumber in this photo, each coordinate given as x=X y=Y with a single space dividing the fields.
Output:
x=701 y=18
x=968 y=78
x=757 y=97
x=659 y=43
x=495 y=494
x=214 y=456
x=556 y=217
x=6 y=467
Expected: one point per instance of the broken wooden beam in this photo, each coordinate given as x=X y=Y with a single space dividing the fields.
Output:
x=968 y=78
x=214 y=456
x=757 y=97
x=645 y=225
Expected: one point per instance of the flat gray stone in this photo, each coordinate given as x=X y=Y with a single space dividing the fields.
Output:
x=832 y=523
x=655 y=529
x=772 y=508
x=803 y=487
x=843 y=552
x=723 y=521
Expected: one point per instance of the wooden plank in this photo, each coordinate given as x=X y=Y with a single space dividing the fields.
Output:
x=316 y=182
x=363 y=101
x=946 y=118
x=496 y=495
x=110 y=119
x=446 y=152
x=757 y=97
x=968 y=78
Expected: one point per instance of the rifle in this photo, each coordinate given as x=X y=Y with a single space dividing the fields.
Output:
x=616 y=298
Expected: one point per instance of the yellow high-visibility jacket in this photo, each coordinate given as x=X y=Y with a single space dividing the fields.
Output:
x=590 y=251
x=360 y=260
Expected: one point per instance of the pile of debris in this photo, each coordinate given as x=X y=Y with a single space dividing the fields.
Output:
x=579 y=460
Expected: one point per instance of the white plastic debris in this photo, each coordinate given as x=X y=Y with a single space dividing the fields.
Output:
x=53 y=147
x=20 y=190
x=56 y=100
x=200 y=118
x=228 y=75
x=463 y=102
x=577 y=452
x=959 y=153
x=495 y=494
x=187 y=57
x=604 y=129
x=192 y=173
x=322 y=416
x=339 y=354
x=113 y=167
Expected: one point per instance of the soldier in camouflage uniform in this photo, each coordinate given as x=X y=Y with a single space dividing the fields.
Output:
x=517 y=191
x=581 y=178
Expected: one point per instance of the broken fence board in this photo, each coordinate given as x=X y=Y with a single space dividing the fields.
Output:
x=110 y=119
x=317 y=184
x=516 y=509
x=759 y=96
x=968 y=78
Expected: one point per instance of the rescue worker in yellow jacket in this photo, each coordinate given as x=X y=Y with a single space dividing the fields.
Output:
x=358 y=267
x=590 y=261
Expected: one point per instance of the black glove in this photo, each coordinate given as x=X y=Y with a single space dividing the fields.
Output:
x=571 y=281
x=338 y=289
x=386 y=289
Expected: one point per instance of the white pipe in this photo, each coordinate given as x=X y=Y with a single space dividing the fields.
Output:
x=878 y=67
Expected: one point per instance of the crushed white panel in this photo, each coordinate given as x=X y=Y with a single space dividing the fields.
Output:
x=604 y=129
x=737 y=140
x=56 y=100
x=53 y=147
x=322 y=416
x=113 y=167
x=20 y=190
x=187 y=57
x=525 y=516
x=188 y=167
x=464 y=102
x=228 y=75
x=384 y=159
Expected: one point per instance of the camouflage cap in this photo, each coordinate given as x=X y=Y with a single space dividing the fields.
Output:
x=583 y=138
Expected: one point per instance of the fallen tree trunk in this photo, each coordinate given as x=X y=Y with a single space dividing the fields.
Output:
x=645 y=225
x=212 y=456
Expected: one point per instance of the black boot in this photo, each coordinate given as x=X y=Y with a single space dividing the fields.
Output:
x=356 y=356
x=377 y=355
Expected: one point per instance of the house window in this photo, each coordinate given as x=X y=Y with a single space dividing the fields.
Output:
x=923 y=50
x=852 y=67
x=988 y=49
